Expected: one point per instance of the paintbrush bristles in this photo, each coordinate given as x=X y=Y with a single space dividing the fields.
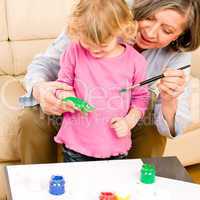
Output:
x=129 y=88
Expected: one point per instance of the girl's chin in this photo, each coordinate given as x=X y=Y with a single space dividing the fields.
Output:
x=97 y=56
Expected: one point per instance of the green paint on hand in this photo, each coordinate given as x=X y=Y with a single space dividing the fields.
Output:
x=80 y=104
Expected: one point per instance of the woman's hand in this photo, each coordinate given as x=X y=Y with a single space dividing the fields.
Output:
x=44 y=93
x=172 y=85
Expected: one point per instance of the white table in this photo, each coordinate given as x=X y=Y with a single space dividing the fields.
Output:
x=85 y=181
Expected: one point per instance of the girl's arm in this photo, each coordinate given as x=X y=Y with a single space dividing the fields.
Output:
x=123 y=125
x=133 y=117
x=139 y=101
x=44 y=68
x=66 y=75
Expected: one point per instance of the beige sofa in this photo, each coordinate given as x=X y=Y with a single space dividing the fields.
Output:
x=26 y=28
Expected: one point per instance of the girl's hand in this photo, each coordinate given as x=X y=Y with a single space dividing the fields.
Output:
x=61 y=94
x=44 y=93
x=172 y=85
x=120 y=126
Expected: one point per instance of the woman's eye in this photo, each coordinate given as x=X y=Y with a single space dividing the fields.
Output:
x=150 y=18
x=168 y=31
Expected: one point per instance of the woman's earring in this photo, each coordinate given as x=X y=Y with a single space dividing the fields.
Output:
x=174 y=43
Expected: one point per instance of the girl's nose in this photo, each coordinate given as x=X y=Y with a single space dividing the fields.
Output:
x=96 y=50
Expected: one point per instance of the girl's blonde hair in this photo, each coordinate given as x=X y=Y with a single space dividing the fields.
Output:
x=189 y=40
x=99 y=20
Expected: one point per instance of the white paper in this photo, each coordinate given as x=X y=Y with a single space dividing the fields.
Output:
x=85 y=181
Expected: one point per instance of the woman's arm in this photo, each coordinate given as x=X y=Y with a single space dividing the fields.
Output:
x=172 y=118
x=171 y=87
x=169 y=113
x=172 y=113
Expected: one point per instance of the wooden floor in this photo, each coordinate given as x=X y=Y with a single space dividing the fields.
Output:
x=194 y=172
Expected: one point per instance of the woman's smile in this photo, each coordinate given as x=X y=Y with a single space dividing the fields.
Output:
x=144 y=38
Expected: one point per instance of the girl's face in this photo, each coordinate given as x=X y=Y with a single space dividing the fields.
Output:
x=160 y=29
x=99 y=51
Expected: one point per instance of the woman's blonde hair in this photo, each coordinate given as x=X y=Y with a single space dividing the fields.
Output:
x=189 y=40
x=99 y=20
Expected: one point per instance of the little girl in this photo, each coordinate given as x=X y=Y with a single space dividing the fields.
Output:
x=97 y=64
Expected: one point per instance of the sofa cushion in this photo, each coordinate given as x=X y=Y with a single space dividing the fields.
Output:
x=185 y=147
x=3 y=24
x=24 y=52
x=10 y=90
x=6 y=62
x=194 y=104
x=36 y=19
x=195 y=63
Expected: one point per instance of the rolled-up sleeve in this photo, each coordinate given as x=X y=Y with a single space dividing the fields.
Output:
x=182 y=116
x=44 y=67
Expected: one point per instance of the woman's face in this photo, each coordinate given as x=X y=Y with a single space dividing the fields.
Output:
x=160 y=29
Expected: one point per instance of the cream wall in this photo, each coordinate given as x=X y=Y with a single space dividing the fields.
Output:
x=3 y=24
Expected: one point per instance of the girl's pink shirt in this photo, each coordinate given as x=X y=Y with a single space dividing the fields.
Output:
x=98 y=82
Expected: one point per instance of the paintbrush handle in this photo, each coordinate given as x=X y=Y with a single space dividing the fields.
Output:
x=150 y=80
x=155 y=78
x=184 y=67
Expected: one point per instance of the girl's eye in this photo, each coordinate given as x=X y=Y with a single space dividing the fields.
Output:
x=104 y=46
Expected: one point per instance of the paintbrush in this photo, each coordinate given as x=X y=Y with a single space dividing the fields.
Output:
x=148 y=80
